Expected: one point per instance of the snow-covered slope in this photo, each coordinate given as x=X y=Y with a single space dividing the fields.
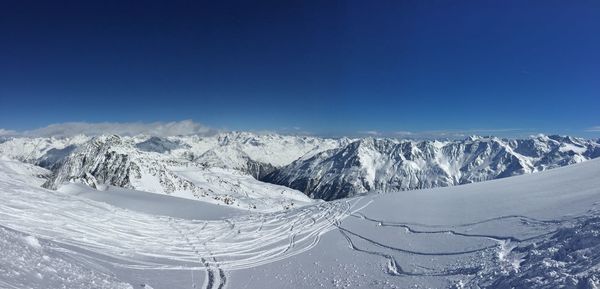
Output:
x=385 y=165
x=223 y=168
x=256 y=154
x=235 y=148
x=532 y=231
x=117 y=161
x=275 y=149
x=125 y=243
x=540 y=230
x=45 y=152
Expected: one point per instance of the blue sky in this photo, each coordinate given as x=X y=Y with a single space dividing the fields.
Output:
x=324 y=67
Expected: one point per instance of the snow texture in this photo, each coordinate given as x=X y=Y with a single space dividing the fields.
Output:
x=538 y=230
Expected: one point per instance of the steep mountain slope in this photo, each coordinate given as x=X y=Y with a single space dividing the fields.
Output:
x=385 y=165
x=241 y=151
x=45 y=152
x=116 y=161
x=228 y=164
x=530 y=231
x=232 y=157
x=255 y=154
x=223 y=168
x=538 y=230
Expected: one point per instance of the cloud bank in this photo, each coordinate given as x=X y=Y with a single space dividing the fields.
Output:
x=593 y=129
x=6 y=132
x=445 y=134
x=162 y=129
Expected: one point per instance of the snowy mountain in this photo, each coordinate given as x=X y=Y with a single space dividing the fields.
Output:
x=387 y=165
x=272 y=149
x=222 y=169
x=159 y=166
x=531 y=231
x=245 y=169
x=45 y=152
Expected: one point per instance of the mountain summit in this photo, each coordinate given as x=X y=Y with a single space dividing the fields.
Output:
x=387 y=165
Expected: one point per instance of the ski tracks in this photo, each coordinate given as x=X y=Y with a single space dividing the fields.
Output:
x=503 y=254
x=215 y=277
x=139 y=241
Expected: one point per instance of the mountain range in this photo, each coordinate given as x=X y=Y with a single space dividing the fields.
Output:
x=270 y=171
x=387 y=165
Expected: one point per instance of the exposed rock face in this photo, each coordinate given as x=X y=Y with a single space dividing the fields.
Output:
x=116 y=161
x=385 y=165
x=237 y=160
x=96 y=163
x=55 y=157
x=218 y=167
x=160 y=145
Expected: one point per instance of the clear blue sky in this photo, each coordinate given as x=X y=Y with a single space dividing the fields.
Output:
x=323 y=66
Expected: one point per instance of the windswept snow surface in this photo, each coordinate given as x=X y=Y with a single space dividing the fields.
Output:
x=532 y=231
x=153 y=203
x=163 y=251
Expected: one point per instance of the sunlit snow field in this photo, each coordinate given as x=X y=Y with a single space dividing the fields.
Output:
x=534 y=231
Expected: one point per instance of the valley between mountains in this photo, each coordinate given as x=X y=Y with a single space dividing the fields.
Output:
x=246 y=210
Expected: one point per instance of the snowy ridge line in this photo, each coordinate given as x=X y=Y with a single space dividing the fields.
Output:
x=374 y=165
x=222 y=168
x=490 y=240
x=164 y=166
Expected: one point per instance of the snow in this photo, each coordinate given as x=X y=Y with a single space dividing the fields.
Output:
x=570 y=147
x=32 y=242
x=274 y=149
x=25 y=263
x=23 y=172
x=114 y=160
x=386 y=165
x=531 y=231
x=130 y=241
x=476 y=235
x=29 y=149
x=150 y=203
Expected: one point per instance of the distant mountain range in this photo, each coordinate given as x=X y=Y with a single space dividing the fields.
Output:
x=386 y=165
x=223 y=169
x=270 y=171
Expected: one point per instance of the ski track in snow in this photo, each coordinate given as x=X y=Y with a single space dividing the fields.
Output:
x=407 y=226
x=133 y=240
x=92 y=234
x=139 y=241
x=505 y=245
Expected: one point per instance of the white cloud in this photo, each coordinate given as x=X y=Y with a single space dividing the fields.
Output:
x=186 y=127
x=594 y=129
x=292 y=131
x=7 y=132
x=445 y=134
x=403 y=133
x=370 y=132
